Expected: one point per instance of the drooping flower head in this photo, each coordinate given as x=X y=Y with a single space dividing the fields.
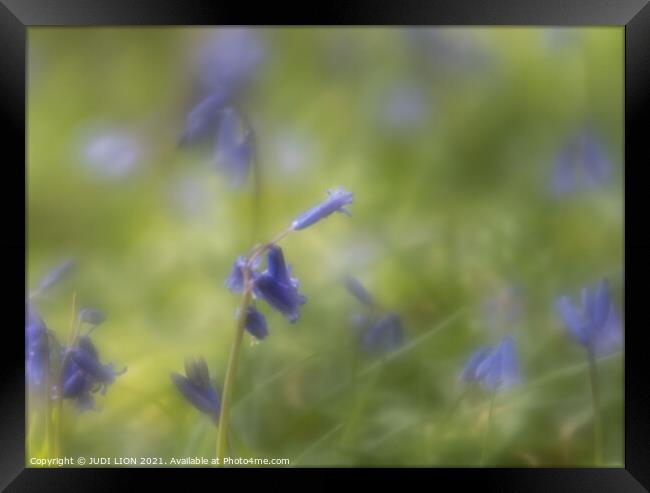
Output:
x=494 y=368
x=197 y=388
x=276 y=286
x=581 y=164
x=256 y=323
x=335 y=202
x=202 y=122
x=596 y=324
x=84 y=374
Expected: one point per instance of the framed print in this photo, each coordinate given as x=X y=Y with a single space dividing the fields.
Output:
x=395 y=236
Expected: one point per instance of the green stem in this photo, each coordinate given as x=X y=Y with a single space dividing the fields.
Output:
x=486 y=436
x=233 y=362
x=595 y=396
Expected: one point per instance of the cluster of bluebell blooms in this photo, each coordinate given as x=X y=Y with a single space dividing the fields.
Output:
x=379 y=331
x=275 y=285
x=70 y=372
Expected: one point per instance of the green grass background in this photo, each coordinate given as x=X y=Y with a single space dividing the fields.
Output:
x=446 y=213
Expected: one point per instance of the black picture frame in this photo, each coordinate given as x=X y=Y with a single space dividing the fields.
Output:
x=17 y=15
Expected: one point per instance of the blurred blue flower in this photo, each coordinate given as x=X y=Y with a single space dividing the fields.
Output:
x=276 y=286
x=37 y=348
x=596 y=324
x=55 y=275
x=84 y=374
x=356 y=289
x=235 y=280
x=112 y=153
x=384 y=335
x=335 y=202
x=581 y=164
x=229 y=59
x=197 y=388
x=496 y=369
x=234 y=149
x=256 y=323
x=202 y=121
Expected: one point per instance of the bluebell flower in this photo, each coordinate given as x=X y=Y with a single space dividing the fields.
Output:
x=356 y=289
x=335 y=202
x=37 y=348
x=197 y=388
x=256 y=323
x=235 y=280
x=496 y=369
x=230 y=58
x=276 y=286
x=84 y=374
x=92 y=316
x=596 y=324
x=202 y=121
x=234 y=150
x=55 y=275
x=581 y=164
x=384 y=335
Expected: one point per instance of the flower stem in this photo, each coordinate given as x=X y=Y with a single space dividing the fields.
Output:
x=486 y=435
x=231 y=371
x=595 y=397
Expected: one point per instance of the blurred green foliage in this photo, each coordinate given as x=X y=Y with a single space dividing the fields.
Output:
x=449 y=209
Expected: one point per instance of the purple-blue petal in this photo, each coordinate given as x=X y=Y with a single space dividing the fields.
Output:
x=205 y=399
x=280 y=296
x=256 y=323
x=572 y=319
x=469 y=371
x=610 y=336
x=235 y=280
x=335 y=202
x=203 y=120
